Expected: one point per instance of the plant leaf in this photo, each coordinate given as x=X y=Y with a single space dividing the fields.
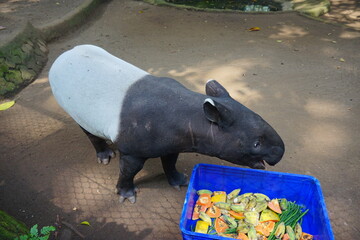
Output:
x=34 y=232
x=44 y=237
x=85 y=223
x=24 y=237
x=47 y=229
x=254 y=29
x=6 y=105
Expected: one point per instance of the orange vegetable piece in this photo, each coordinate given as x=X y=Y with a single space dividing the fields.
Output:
x=286 y=237
x=197 y=209
x=213 y=211
x=270 y=225
x=204 y=199
x=275 y=206
x=306 y=236
x=237 y=215
x=265 y=228
x=242 y=236
x=220 y=225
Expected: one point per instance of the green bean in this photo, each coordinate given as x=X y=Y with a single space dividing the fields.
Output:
x=290 y=217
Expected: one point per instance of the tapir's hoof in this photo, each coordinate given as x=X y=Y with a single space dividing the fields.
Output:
x=105 y=156
x=184 y=182
x=131 y=199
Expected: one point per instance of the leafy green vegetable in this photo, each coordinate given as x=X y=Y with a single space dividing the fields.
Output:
x=35 y=235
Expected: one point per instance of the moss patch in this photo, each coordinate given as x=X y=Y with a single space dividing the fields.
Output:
x=21 y=60
x=10 y=227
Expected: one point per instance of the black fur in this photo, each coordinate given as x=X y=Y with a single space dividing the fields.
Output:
x=161 y=118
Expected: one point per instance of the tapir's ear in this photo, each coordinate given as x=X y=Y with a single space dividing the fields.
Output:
x=217 y=113
x=215 y=89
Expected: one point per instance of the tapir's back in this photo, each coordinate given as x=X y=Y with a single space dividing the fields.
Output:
x=90 y=85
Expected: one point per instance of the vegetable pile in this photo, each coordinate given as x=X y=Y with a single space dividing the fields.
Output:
x=249 y=216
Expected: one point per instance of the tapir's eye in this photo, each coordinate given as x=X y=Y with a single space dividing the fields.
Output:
x=257 y=144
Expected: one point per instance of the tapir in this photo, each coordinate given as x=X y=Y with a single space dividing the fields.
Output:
x=146 y=116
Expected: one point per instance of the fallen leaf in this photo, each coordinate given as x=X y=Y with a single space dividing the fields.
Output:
x=6 y=105
x=342 y=60
x=141 y=11
x=279 y=41
x=85 y=223
x=254 y=29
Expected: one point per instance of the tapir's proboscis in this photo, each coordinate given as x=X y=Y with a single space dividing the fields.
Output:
x=146 y=116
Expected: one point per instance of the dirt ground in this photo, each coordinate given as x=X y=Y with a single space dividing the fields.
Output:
x=301 y=75
x=16 y=13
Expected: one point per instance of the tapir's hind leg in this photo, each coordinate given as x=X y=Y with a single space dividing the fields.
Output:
x=175 y=178
x=103 y=151
x=129 y=167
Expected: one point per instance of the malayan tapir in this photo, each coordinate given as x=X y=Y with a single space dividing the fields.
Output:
x=146 y=116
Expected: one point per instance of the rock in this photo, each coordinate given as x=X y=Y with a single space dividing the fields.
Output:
x=27 y=48
x=27 y=74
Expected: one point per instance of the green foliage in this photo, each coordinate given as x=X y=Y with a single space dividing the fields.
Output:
x=34 y=234
x=9 y=226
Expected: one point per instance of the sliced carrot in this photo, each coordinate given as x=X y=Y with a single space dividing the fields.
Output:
x=242 y=236
x=197 y=209
x=237 y=215
x=275 y=206
x=220 y=225
x=213 y=211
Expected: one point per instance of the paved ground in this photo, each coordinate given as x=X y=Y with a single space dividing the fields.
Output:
x=299 y=74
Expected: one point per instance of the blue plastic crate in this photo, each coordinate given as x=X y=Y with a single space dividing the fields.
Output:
x=300 y=188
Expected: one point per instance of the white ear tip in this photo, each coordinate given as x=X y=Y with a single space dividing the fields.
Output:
x=210 y=80
x=209 y=100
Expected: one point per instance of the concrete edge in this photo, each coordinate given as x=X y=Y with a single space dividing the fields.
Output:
x=74 y=18
x=186 y=7
x=23 y=57
x=305 y=7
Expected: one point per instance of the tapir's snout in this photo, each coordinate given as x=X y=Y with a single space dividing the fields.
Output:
x=276 y=153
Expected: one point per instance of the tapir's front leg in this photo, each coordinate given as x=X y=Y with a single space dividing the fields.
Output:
x=129 y=167
x=175 y=178
x=103 y=151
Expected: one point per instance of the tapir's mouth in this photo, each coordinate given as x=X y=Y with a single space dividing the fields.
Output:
x=258 y=164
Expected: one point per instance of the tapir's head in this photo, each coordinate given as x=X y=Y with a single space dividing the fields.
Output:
x=240 y=135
